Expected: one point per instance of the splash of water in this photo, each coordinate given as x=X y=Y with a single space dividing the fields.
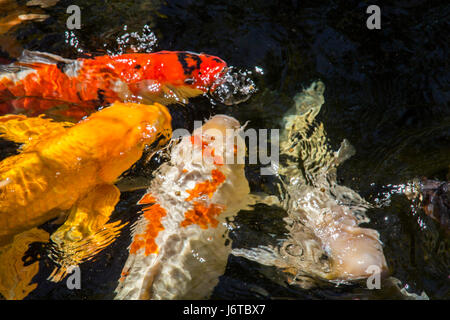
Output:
x=234 y=87
x=143 y=41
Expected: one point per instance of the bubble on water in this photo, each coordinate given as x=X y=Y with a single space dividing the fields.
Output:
x=72 y=40
x=259 y=70
x=383 y=198
x=143 y=41
x=234 y=87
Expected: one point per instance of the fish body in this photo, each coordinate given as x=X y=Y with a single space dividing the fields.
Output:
x=179 y=247
x=41 y=82
x=71 y=168
x=325 y=242
x=331 y=211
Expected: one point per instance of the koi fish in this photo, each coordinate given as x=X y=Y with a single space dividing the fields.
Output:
x=325 y=242
x=42 y=82
x=70 y=169
x=434 y=197
x=179 y=247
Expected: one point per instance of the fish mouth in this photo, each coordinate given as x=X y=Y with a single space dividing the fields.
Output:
x=233 y=87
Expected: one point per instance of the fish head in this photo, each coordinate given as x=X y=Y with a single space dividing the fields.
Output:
x=308 y=258
x=211 y=74
x=220 y=141
x=221 y=123
x=157 y=122
x=358 y=254
x=201 y=70
x=141 y=124
x=355 y=252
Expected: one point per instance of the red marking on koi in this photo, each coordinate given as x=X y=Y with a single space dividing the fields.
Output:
x=153 y=214
x=207 y=187
x=206 y=149
x=203 y=215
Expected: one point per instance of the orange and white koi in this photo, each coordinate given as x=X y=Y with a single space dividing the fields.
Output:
x=179 y=247
x=41 y=82
x=66 y=168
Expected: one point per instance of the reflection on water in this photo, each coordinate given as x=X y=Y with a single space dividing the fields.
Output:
x=387 y=93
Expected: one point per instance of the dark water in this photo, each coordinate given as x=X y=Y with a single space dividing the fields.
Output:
x=387 y=92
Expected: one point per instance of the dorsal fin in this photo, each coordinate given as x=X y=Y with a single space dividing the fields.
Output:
x=153 y=91
x=12 y=68
x=32 y=57
x=30 y=60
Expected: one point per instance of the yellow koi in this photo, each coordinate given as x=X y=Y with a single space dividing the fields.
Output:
x=66 y=168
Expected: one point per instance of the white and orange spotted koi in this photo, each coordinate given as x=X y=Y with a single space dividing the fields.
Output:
x=179 y=247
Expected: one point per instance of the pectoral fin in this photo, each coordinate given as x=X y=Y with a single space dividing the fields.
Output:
x=34 y=58
x=22 y=129
x=86 y=231
x=266 y=255
x=346 y=151
x=153 y=91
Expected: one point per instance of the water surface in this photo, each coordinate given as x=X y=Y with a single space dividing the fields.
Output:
x=387 y=92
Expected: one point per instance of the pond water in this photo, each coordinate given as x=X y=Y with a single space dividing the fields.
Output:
x=387 y=92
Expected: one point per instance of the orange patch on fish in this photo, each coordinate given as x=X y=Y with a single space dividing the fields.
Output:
x=153 y=214
x=147 y=199
x=199 y=141
x=207 y=187
x=206 y=149
x=123 y=275
x=203 y=215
